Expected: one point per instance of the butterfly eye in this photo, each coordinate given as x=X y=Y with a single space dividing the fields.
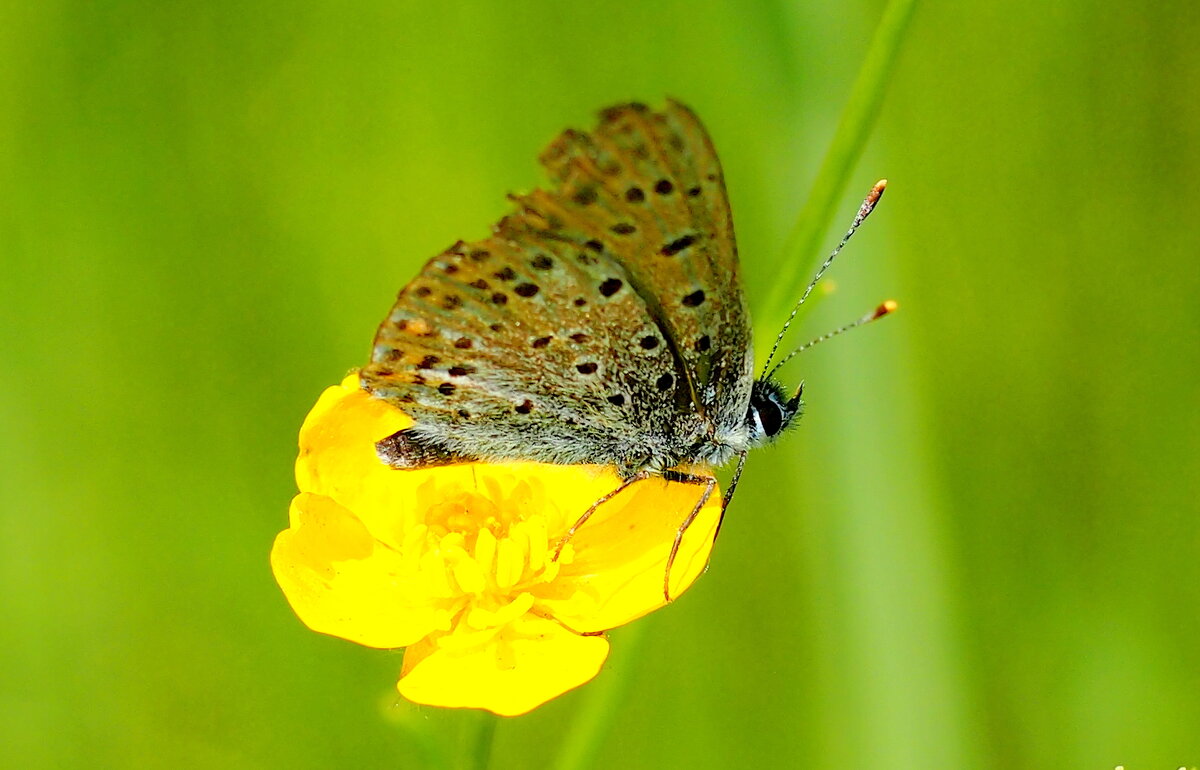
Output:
x=768 y=417
x=769 y=412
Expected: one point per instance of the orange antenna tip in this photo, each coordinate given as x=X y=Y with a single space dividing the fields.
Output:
x=888 y=306
x=883 y=308
x=868 y=205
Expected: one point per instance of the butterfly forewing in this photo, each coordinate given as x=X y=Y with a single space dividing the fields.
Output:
x=649 y=187
x=603 y=322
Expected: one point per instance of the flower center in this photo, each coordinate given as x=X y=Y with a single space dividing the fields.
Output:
x=486 y=548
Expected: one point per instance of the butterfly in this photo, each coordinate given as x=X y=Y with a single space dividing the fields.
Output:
x=603 y=322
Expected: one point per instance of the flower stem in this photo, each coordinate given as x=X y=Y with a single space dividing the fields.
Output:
x=604 y=697
x=858 y=118
x=482 y=740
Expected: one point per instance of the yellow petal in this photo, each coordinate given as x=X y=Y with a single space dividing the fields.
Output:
x=337 y=458
x=529 y=662
x=621 y=556
x=341 y=581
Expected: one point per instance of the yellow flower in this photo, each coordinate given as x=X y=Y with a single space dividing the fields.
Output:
x=457 y=564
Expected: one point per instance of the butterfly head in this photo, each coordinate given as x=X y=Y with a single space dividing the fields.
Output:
x=771 y=411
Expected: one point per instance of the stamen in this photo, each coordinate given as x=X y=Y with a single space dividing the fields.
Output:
x=510 y=563
x=468 y=575
x=539 y=542
x=485 y=550
x=435 y=570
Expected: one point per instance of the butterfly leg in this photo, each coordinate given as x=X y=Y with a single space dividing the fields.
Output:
x=689 y=478
x=737 y=475
x=710 y=483
x=639 y=476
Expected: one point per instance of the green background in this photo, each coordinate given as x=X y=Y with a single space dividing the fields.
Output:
x=979 y=549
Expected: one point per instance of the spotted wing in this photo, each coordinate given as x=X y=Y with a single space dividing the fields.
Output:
x=602 y=322
x=648 y=186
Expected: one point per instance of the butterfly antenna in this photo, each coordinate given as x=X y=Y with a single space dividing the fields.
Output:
x=864 y=210
x=884 y=308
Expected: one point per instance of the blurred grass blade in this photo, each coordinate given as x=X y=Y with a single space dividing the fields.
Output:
x=482 y=740
x=858 y=118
